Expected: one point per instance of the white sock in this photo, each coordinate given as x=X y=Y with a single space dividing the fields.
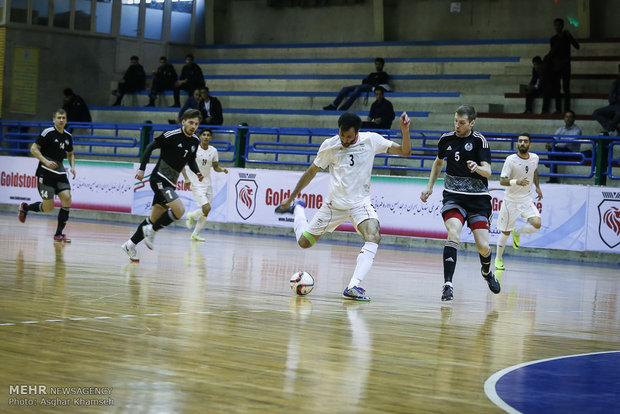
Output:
x=364 y=263
x=527 y=228
x=130 y=243
x=200 y=224
x=196 y=213
x=501 y=245
x=301 y=223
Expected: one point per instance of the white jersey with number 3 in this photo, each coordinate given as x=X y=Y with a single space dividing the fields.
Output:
x=205 y=159
x=517 y=168
x=350 y=168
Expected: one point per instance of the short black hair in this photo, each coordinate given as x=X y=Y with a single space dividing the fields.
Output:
x=349 y=120
x=537 y=59
x=468 y=110
x=559 y=20
x=134 y=57
x=380 y=60
x=67 y=92
x=379 y=88
x=164 y=58
x=189 y=55
x=525 y=134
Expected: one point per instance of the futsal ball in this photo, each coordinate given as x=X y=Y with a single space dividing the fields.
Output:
x=302 y=283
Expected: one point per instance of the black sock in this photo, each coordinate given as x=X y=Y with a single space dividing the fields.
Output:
x=449 y=260
x=138 y=236
x=164 y=220
x=63 y=216
x=485 y=261
x=34 y=207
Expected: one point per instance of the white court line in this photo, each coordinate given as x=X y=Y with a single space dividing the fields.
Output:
x=489 y=384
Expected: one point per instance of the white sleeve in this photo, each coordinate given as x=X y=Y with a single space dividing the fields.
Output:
x=507 y=168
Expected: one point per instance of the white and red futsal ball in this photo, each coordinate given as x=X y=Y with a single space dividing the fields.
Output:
x=302 y=283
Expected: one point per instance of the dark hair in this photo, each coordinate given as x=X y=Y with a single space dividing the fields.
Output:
x=537 y=59
x=559 y=20
x=189 y=55
x=379 y=88
x=59 y=111
x=164 y=58
x=525 y=134
x=468 y=110
x=67 y=92
x=349 y=120
x=191 y=113
x=380 y=60
x=134 y=57
x=205 y=130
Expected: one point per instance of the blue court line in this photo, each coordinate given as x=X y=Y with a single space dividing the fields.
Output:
x=480 y=59
x=572 y=383
x=379 y=44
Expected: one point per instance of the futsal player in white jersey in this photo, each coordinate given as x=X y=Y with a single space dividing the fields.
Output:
x=206 y=158
x=520 y=170
x=349 y=157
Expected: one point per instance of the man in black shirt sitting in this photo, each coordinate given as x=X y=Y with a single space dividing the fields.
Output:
x=381 y=112
x=370 y=82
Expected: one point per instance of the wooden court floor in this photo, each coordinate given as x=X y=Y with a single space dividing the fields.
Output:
x=213 y=327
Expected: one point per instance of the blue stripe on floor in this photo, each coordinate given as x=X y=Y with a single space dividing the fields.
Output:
x=586 y=383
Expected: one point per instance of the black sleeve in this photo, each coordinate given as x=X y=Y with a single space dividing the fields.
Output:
x=216 y=112
x=149 y=149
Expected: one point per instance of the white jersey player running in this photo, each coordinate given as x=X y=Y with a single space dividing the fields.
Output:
x=349 y=157
x=518 y=173
x=206 y=158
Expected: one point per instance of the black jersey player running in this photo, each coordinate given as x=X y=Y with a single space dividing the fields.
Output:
x=177 y=149
x=51 y=148
x=466 y=193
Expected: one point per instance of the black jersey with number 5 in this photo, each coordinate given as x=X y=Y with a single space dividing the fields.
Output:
x=176 y=151
x=458 y=151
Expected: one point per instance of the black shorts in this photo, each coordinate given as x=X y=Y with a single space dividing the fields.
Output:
x=50 y=183
x=474 y=208
x=163 y=192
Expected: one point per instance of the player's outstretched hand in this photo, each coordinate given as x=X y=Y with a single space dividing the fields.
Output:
x=404 y=120
x=140 y=175
x=200 y=176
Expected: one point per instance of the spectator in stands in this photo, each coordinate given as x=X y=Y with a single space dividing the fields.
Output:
x=191 y=79
x=609 y=116
x=75 y=106
x=560 y=57
x=550 y=86
x=568 y=131
x=370 y=82
x=534 y=88
x=193 y=102
x=134 y=80
x=381 y=112
x=164 y=78
x=210 y=108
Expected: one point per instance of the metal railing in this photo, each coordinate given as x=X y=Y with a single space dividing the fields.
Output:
x=243 y=145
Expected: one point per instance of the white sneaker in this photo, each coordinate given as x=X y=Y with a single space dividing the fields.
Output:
x=190 y=222
x=149 y=235
x=131 y=251
x=197 y=237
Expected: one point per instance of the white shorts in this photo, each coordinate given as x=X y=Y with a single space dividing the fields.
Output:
x=328 y=218
x=511 y=211
x=203 y=195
